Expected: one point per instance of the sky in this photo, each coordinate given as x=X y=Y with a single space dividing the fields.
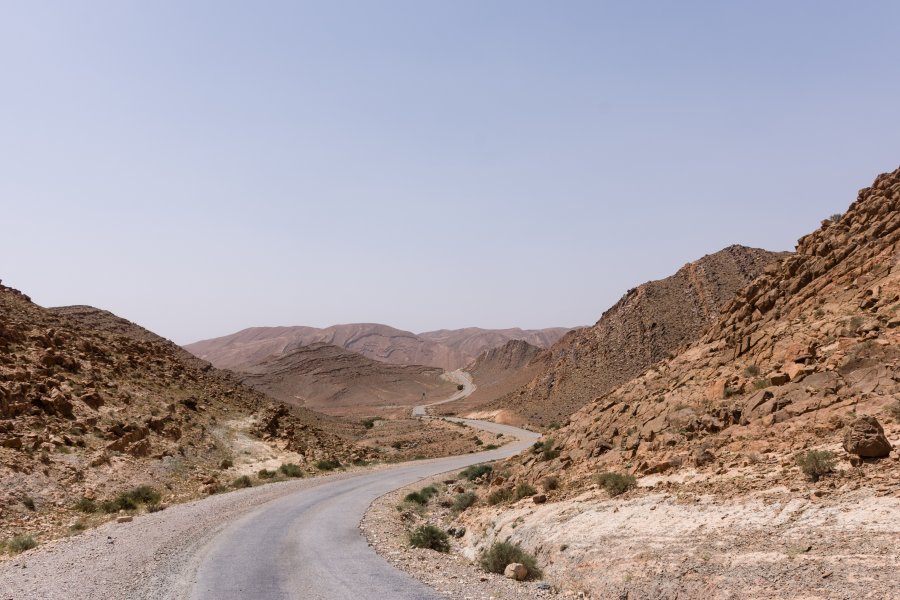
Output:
x=201 y=167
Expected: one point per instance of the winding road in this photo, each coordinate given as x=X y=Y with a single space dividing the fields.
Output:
x=290 y=540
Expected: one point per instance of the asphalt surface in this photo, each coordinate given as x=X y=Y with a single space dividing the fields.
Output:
x=460 y=377
x=308 y=545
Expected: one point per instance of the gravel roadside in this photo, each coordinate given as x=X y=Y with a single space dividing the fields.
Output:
x=153 y=557
x=451 y=574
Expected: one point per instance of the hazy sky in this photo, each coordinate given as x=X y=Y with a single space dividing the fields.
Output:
x=200 y=167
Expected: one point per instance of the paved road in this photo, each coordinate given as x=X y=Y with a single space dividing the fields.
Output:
x=308 y=545
x=460 y=377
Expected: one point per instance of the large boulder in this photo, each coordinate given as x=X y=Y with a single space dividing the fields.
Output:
x=866 y=438
x=516 y=571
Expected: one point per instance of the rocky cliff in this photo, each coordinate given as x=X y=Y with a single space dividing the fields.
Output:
x=649 y=323
x=792 y=362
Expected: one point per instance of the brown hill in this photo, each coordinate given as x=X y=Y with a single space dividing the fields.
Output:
x=446 y=349
x=791 y=362
x=330 y=379
x=648 y=323
x=91 y=404
x=495 y=373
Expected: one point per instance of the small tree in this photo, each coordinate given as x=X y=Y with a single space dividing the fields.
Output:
x=816 y=463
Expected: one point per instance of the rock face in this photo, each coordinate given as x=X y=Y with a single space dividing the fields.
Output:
x=91 y=404
x=866 y=438
x=445 y=349
x=336 y=381
x=783 y=369
x=646 y=325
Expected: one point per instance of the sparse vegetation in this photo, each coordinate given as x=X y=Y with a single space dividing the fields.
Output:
x=500 y=496
x=751 y=371
x=463 y=501
x=855 y=323
x=500 y=554
x=28 y=502
x=546 y=449
x=131 y=500
x=816 y=463
x=370 y=422
x=328 y=465
x=550 y=483
x=86 y=505
x=422 y=496
x=77 y=527
x=226 y=463
x=431 y=537
x=19 y=543
x=523 y=490
x=265 y=474
x=491 y=447
x=616 y=484
x=242 y=482
x=761 y=384
x=460 y=387
x=893 y=410
x=475 y=471
x=835 y=217
x=478 y=442
x=291 y=470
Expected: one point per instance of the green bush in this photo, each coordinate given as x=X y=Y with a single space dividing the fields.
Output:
x=499 y=496
x=422 y=496
x=226 y=463
x=549 y=483
x=491 y=447
x=463 y=501
x=328 y=465
x=546 y=449
x=20 y=543
x=145 y=494
x=86 y=505
x=500 y=554
x=370 y=422
x=131 y=499
x=816 y=463
x=751 y=371
x=291 y=470
x=523 y=490
x=242 y=482
x=475 y=471
x=431 y=537
x=265 y=474
x=616 y=483
x=28 y=501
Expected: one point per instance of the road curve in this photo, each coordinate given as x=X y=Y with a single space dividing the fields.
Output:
x=459 y=377
x=308 y=545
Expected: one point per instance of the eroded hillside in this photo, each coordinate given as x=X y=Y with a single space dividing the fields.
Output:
x=649 y=323
x=760 y=462
x=445 y=349
x=91 y=405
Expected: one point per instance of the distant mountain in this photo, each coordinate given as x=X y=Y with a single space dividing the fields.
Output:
x=649 y=323
x=333 y=380
x=445 y=349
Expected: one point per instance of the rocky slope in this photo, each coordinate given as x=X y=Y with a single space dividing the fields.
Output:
x=495 y=373
x=445 y=349
x=91 y=404
x=782 y=422
x=330 y=379
x=649 y=323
